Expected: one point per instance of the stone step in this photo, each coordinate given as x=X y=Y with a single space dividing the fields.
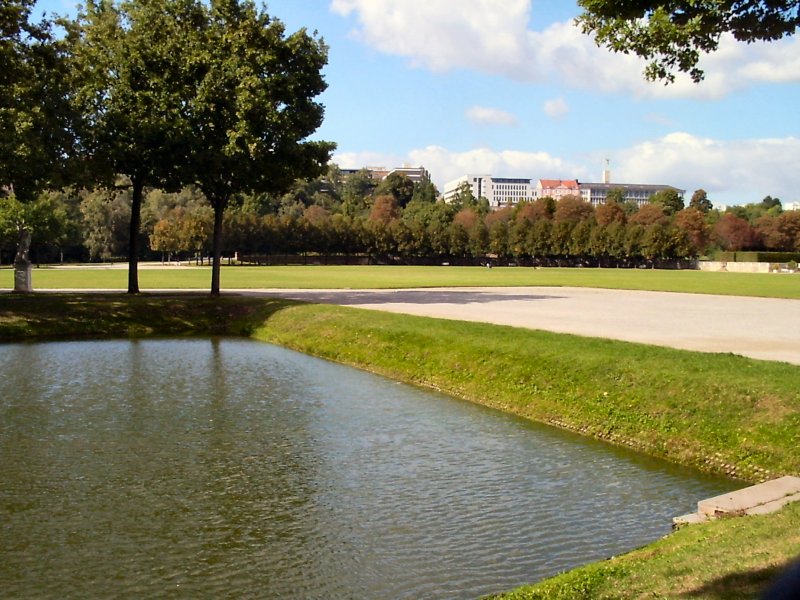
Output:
x=758 y=499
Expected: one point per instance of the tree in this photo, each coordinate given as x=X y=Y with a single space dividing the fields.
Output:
x=130 y=65
x=252 y=106
x=610 y=212
x=106 y=214
x=692 y=221
x=733 y=233
x=649 y=214
x=42 y=219
x=36 y=120
x=398 y=185
x=672 y=35
x=572 y=209
x=700 y=201
x=670 y=200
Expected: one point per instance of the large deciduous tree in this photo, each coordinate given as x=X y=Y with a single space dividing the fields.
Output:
x=673 y=34
x=131 y=69
x=253 y=107
x=36 y=120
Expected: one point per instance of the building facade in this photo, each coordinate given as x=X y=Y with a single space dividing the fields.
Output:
x=498 y=191
x=596 y=193
x=507 y=191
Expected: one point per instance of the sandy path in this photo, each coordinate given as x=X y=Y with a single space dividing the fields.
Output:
x=763 y=328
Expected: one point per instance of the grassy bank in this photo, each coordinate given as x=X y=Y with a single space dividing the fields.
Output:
x=722 y=413
x=703 y=561
x=772 y=285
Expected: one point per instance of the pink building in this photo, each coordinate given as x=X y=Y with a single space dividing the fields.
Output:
x=557 y=188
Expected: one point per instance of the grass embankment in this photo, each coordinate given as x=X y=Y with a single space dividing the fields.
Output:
x=729 y=559
x=722 y=413
x=771 y=285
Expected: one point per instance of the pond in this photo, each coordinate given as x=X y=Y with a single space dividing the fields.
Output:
x=232 y=469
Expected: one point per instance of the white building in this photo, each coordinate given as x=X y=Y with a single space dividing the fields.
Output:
x=508 y=191
x=596 y=193
x=499 y=191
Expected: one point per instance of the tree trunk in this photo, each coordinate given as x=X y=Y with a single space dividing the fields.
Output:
x=133 y=246
x=219 y=209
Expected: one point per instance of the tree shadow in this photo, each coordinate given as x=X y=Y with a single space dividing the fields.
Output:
x=362 y=297
x=747 y=584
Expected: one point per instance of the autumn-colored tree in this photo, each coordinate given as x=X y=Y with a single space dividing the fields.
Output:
x=572 y=209
x=543 y=208
x=781 y=232
x=733 y=233
x=466 y=217
x=649 y=214
x=384 y=209
x=693 y=221
x=610 y=212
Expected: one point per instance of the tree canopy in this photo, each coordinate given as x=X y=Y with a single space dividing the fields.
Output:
x=35 y=116
x=673 y=34
x=252 y=106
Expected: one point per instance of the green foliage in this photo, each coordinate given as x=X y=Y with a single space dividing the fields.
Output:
x=700 y=201
x=670 y=200
x=673 y=35
x=36 y=118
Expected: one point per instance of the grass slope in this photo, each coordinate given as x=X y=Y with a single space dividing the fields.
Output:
x=703 y=562
x=237 y=277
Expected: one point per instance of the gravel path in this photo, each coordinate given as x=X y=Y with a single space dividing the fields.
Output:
x=764 y=328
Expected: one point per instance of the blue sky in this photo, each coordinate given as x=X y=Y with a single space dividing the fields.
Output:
x=512 y=88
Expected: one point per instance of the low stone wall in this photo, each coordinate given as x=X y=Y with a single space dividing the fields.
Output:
x=734 y=267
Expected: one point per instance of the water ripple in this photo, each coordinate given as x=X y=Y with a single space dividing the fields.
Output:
x=230 y=469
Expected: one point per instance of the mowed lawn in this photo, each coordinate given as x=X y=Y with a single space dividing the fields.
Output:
x=774 y=285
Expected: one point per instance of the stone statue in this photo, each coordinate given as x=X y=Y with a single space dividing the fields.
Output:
x=22 y=264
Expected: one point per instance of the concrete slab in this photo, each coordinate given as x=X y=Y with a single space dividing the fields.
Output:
x=757 y=499
x=690 y=519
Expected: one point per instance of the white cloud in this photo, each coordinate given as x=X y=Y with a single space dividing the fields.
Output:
x=490 y=116
x=493 y=37
x=556 y=108
x=732 y=172
x=445 y=165
x=358 y=160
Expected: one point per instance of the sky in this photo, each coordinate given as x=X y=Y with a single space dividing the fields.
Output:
x=512 y=88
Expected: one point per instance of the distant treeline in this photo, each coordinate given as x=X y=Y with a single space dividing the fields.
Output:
x=397 y=220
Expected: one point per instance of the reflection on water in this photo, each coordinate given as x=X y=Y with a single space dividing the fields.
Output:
x=232 y=469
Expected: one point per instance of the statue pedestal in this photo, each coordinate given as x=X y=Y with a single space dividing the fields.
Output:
x=22 y=277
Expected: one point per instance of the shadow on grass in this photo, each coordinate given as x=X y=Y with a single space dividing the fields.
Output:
x=58 y=316
x=361 y=297
x=745 y=585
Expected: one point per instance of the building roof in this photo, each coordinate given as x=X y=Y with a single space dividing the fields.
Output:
x=629 y=186
x=549 y=184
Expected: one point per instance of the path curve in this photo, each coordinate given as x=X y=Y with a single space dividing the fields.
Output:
x=763 y=328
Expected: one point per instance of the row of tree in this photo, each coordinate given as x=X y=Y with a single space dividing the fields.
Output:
x=397 y=218
x=156 y=94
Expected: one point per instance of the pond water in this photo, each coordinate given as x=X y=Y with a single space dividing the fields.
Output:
x=235 y=469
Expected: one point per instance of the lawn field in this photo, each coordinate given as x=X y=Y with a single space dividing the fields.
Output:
x=773 y=285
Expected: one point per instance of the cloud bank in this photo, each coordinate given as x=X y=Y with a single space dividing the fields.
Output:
x=494 y=37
